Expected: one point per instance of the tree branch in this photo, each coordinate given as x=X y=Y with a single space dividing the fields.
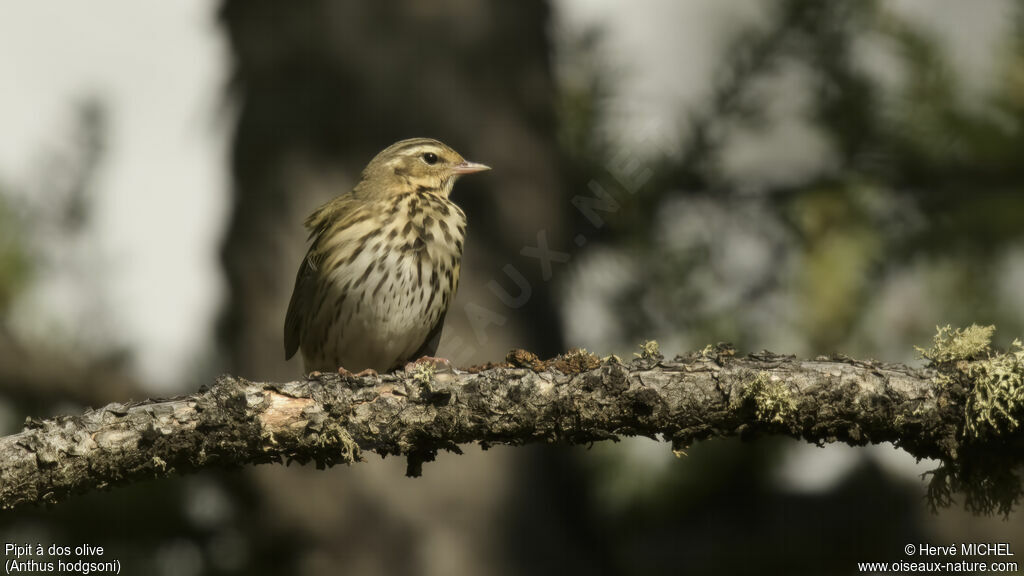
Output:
x=576 y=398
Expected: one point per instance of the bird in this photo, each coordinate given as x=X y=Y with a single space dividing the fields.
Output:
x=383 y=264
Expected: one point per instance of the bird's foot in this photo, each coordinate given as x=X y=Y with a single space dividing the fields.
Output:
x=360 y=374
x=439 y=364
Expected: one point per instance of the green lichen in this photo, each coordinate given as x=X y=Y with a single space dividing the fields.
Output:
x=424 y=373
x=997 y=400
x=994 y=381
x=773 y=402
x=335 y=445
x=649 y=350
x=989 y=385
x=956 y=345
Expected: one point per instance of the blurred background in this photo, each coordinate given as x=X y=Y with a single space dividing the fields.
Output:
x=801 y=176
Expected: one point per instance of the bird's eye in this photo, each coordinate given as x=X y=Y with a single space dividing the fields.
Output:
x=430 y=158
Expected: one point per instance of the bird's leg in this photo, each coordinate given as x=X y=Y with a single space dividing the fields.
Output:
x=439 y=364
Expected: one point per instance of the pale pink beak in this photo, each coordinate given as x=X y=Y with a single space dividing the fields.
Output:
x=467 y=167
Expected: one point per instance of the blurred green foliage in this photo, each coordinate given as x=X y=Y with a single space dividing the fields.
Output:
x=14 y=261
x=918 y=179
x=911 y=217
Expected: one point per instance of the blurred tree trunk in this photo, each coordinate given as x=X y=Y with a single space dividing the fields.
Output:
x=319 y=88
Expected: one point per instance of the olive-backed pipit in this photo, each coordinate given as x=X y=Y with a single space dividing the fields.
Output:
x=383 y=263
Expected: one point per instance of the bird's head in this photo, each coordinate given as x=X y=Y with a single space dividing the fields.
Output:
x=415 y=165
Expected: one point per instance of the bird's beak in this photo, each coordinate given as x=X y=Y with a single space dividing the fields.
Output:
x=466 y=167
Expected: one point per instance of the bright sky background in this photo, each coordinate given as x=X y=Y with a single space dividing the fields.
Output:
x=160 y=67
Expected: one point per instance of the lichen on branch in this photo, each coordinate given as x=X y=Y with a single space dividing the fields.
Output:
x=962 y=409
x=989 y=386
x=993 y=382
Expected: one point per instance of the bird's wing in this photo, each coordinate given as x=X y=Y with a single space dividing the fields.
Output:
x=337 y=214
x=305 y=284
x=429 y=346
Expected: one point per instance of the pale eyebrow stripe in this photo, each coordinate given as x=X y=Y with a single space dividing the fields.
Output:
x=424 y=144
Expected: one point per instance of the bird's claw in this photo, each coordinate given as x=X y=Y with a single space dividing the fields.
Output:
x=360 y=374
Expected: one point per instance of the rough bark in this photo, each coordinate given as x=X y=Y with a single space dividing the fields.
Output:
x=577 y=398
